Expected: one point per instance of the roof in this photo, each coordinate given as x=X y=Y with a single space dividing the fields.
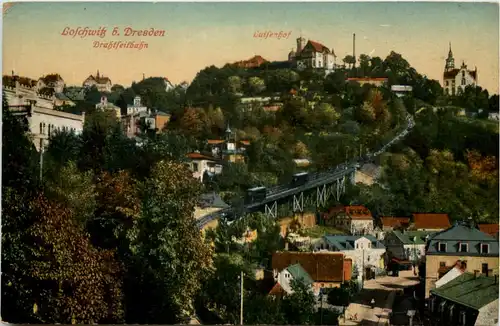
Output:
x=321 y=266
x=318 y=47
x=491 y=229
x=215 y=141
x=454 y=72
x=412 y=237
x=277 y=290
x=346 y=242
x=391 y=222
x=61 y=96
x=461 y=233
x=470 y=291
x=358 y=212
x=299 y=273
x=371 y=170
x=431 y=221
x=253 y=62
x=99 y=80
x=198 y=156
x=212 y=200
x=161 y=113
x=51 y=78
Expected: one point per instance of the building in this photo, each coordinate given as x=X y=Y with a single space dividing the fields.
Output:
x=208 y=204
x=22 y=94
x=105 y=105
x=430 y=222
x=285 y=277
x=367 y=174
x=456 y=79
x=357 y=220
x=406 y=245
x=312 y=54
x=452 y=274
x=60 y=99
x=327 y=269
x=378 y=82
x=168 y=85
x=102 y=83
x=52 y=81
x=366 y=252
x=491 y=229
x=392 y=223
x=478 y=250
x=468 y=299
x=204 y=164
x=137 y=107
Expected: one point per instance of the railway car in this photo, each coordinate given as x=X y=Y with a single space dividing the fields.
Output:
x=299 y=179
x=255 y=195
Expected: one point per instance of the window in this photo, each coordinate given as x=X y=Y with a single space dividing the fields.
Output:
x=463 y=81
x=41 y=128
x=195 y=166
x=464 y=247
x=50 y=129
x=461 y=318
x=484 y=268
x=442 y=247
x=485 y=248
x=447 y=83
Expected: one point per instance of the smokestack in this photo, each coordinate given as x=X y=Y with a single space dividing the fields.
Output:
x=354 y=48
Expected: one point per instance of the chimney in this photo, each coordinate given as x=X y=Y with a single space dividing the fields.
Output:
x=354 y=49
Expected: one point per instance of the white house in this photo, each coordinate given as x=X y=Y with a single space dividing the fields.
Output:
x=366 y=252
x=312 y=55
x=293 y=272
x=102 y=83
x=137 y=107
x=456 y=79
x=203 y=163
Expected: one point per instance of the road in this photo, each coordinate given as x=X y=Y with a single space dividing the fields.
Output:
x=383 y=290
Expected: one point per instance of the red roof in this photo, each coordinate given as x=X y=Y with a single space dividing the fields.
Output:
x=318 y=47
x=277 y=290
x=358 y=212
x=431 y=221
x=215 y=141
x=253 y=62
x=391 y=222
x=198 y=156
x=491 y=229
x=321 y=266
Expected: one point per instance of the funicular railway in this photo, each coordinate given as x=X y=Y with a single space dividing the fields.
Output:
x=304 y=190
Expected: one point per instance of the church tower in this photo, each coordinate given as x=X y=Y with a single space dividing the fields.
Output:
x=450 y=62
x=301 y=43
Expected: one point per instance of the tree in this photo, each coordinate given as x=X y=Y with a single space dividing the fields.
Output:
x=326 y=115
x=193 y=122
x=366 y=113
x=298 y=307
x=170 y=258
x=341 y=296
x=256 y=86
x=349 y=60
x=364 y=64
x=300 y=150
x=234 y=84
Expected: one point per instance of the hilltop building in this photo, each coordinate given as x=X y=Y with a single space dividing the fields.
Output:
x=53 y=81
x=312 y=54
x=102 y=83
x=456 y=79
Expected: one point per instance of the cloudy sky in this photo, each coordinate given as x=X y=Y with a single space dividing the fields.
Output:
x=203 y=34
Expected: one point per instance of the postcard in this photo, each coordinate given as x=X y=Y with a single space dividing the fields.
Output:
x=288 y=163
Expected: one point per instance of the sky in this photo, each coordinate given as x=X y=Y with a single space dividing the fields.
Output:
x=200 y=34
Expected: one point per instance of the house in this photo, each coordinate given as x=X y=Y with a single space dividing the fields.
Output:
x=406 y=245
x=453 y=273
x=491 y=229
x=469 y=299
x=44 y=122
x=456 y=79
x=366 y=251
x=60 y=99
x=253 y=62
x=102 y=83
x=367 y=174
x=203 y=164
x=53 y=81
x=105 y=105
x=22 y=94
x=208 y=204
x=462 y=241
x=378 y=82
x=292 y=272
x=168 y=85
x=312 y=54
x=430 y=221
x=137 y=107
x=354 y=219
x=391 y=223
x=327 y=269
